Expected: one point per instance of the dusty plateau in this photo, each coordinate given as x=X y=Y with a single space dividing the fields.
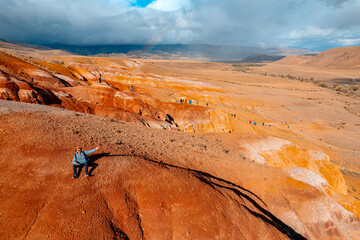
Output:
x=266 y=151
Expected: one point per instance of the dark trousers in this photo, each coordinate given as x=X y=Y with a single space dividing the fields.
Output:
x=86 y=168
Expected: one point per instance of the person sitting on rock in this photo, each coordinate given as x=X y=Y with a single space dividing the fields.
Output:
x=81 y=158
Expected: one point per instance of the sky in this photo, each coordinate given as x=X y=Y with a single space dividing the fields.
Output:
x=312 y=24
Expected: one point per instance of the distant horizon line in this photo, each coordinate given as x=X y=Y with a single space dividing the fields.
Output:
x=154 y=44
x=167 y=44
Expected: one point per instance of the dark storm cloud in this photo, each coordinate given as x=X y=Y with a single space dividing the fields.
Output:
x=336 y=3
x=314 y=24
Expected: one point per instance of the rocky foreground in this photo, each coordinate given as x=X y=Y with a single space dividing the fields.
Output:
x=153 y=184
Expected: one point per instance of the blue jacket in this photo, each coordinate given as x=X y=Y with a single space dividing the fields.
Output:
x=81 y=158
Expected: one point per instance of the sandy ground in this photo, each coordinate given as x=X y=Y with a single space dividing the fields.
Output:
x=317 y=115
x=317 y=118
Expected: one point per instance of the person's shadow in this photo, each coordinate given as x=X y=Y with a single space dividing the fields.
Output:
x=92 y=165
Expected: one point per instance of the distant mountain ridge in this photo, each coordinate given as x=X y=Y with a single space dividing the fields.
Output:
x=346 y=57
x=29 y=49
x=261 y=58
x=26 y=45
x=343 y=57
x=179 y=51
x=200 y=52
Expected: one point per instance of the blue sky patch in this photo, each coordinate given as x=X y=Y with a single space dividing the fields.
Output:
x=141 y=3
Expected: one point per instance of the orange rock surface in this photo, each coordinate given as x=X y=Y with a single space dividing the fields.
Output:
x=149 y=183
x=294 y=174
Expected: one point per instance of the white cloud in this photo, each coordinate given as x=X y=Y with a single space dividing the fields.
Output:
x=310 y=31
x=169 y=5
x=349 y=42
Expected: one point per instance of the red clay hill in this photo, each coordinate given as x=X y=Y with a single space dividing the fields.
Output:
x=150 y=184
